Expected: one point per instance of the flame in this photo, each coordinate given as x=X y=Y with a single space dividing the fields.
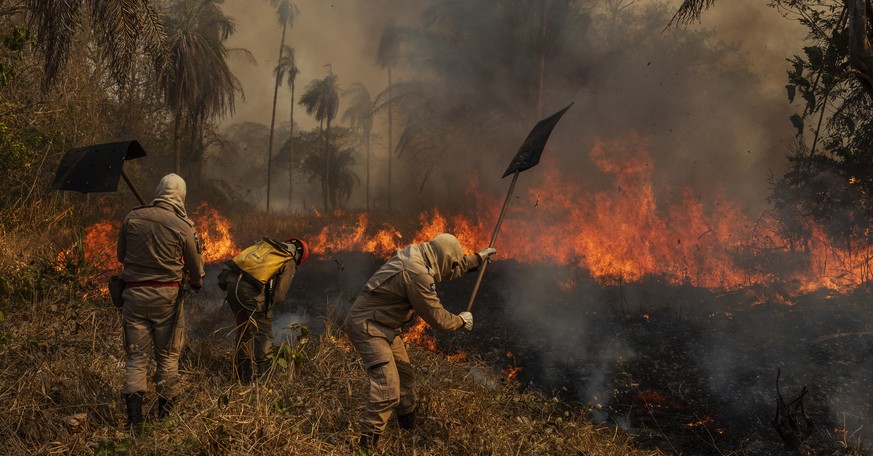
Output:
x=624 y=234
x=100 y=239
x=417 y=335
x=459 y=356
x=619 y=234
x=99 y=243
x=700 y=423
x=97 y=260
x=337 y=237
x=511 y=372
x=705 y=422
x=213 y=230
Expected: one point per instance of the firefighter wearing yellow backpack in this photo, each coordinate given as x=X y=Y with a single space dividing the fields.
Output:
x=256 y=279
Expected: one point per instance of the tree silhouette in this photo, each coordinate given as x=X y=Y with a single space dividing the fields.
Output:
x=387 y=56
x=197 y=82
x=321 y=100
x=343 y=179
x=287 y=68
x=286 y=12
x=359 y=114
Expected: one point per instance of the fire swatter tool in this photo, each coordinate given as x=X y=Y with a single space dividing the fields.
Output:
x=527 y=157
x=97 y=168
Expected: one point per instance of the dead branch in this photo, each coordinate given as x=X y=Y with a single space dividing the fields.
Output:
x=786 y=423
x=823 y=339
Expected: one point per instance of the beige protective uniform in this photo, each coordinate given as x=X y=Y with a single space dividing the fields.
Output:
x=401 y=287
x=254 y=318
x=156 y=243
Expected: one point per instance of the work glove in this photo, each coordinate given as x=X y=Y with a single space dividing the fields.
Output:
x=468 y=320
x=485 y=254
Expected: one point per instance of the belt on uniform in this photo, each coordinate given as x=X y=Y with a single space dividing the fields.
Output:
x=150 y=283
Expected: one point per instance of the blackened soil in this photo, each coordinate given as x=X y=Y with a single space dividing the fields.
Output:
x=688 y=370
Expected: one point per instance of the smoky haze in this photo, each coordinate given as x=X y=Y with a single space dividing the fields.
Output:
x=707 y=102
x=709 y=99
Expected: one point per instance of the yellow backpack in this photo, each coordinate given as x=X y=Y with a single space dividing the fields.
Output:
x=262 y=260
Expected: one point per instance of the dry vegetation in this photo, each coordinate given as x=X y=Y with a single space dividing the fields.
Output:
x=63 y=368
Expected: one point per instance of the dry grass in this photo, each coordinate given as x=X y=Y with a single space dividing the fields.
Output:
x=63 y=369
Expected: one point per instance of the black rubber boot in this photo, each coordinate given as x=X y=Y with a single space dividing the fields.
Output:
x=368 y=442
x=134 y=412
x=264 y=367
x=406 y=421
x=244 y=370
x=165 y=406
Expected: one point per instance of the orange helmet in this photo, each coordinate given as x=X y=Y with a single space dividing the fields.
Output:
x=302 y=249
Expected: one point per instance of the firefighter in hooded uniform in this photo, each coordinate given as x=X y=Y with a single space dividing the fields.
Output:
x=158 y=248
x=255 y=280
x=401 y=287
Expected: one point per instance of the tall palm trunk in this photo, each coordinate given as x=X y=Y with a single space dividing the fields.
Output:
x=390 y=144
x=542 y=68
x=291 y=155
x=327 y=187
x=177 y=137
x=368 y=172
x=273 y=119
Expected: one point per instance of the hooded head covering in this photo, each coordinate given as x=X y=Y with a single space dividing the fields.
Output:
x=445 y=255
x=171 y=191
x=300 y=249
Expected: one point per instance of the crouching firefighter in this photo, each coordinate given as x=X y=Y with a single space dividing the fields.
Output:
x=158 y=248
x=401 y=287
x=255 y=280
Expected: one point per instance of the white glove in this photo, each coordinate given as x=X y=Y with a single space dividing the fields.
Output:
x=486 y=253
x=468 y=320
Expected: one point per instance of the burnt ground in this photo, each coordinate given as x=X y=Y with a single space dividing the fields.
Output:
x=687 y=370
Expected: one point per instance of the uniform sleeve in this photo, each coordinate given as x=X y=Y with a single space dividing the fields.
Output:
x=470 y=263
x=421 y=292
x=193 y=260
x=283 y=281
x=121 y=248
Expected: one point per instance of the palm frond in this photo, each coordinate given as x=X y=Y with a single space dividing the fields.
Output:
x=388 y=52
x=321 y=98
x=54 y=23
x=359 y=113
x=120 y=28
x=690 y=10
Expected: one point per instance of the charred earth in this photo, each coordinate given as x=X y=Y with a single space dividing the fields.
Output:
x=686 y=369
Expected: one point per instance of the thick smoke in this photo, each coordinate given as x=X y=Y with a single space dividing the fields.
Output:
x=708 y=101
x=709 y=98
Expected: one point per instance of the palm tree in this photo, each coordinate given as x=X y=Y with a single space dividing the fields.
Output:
x=387 y=57
x=359 y=114
x=120 y=27
x=343 y=179
x=288 y=68
x=286 y=11
x=321 y=100
x=197 y=82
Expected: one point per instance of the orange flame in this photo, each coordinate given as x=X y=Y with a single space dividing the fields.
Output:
x=99 y=243
x=214 y=232
x=459 y=356
x=620 y=234
x=511 y=372
x=417 y=335
x=100 y=239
